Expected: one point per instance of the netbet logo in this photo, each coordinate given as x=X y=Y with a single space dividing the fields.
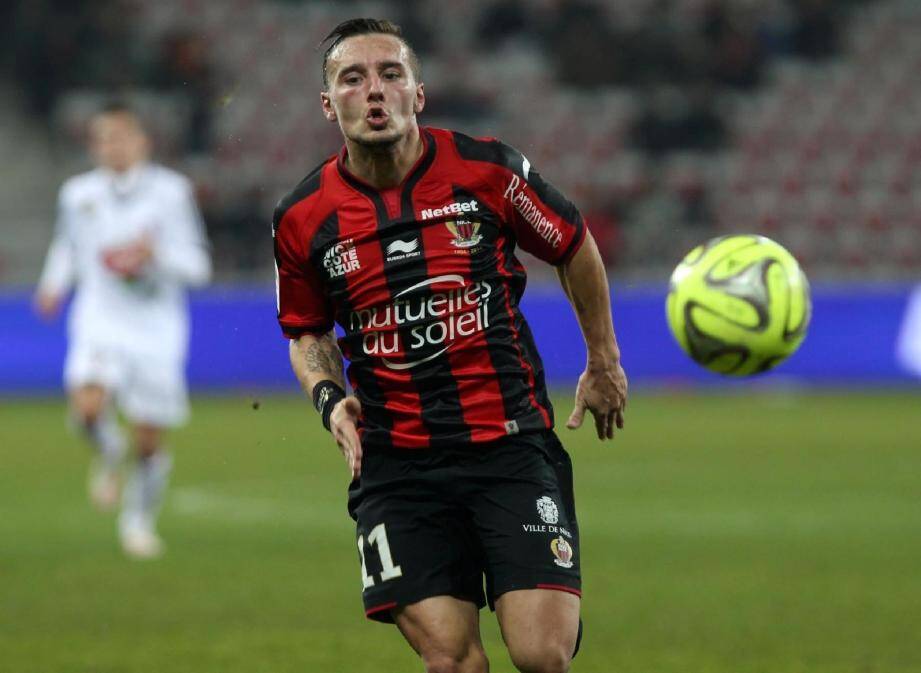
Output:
x=437 y=320
x=532 y=214
x=456 y=208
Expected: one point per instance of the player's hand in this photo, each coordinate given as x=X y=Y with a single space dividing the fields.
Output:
x=602 y=390
x=129 y=261
x=48 y=304
x=343 y=422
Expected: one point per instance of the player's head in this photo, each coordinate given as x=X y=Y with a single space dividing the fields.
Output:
x=117 y=137
x=372 y=81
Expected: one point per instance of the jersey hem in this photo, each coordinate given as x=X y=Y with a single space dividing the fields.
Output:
x=297 y=331
x=381 y=612
x=370 y=612
x=560 y=587
x=534 y=584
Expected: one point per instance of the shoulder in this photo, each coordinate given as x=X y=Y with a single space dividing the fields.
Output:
x=171 y=181
x=490 y=151
x=303 y=196
x=80 y=185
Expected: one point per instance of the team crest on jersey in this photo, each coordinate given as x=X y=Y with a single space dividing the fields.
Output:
x=341 y=259
x=547 y=510
x=466 y=232
x=562 y=550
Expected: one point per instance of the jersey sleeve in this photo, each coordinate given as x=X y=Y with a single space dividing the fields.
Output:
x=59 y=271
x=303 y=306
x=181 y=244
x=545 y=222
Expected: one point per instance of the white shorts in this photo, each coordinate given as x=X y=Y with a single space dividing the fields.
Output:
x=148 y=390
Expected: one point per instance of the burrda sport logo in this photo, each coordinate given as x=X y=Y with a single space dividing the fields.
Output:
x=400 y=249
x=435 y=320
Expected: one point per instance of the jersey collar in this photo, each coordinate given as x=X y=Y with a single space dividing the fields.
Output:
x=422 y=164
x=124 y=183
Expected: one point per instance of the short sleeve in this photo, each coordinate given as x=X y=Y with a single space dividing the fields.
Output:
x=182 y=244
x=59 y=271
x=190 y=224
x=545 y=222
x=303 y=306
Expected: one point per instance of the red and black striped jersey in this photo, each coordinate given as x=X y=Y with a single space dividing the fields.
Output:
x=424 y=283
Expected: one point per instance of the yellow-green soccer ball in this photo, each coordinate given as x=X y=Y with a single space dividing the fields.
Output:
x=739 y=305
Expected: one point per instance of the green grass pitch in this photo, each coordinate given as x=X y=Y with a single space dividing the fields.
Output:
x=743 y=533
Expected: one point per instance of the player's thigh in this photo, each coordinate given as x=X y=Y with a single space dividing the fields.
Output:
x=524 y=512
x=413 y=546
x=445 y=632
x=88 y=401
x=414 y=540
x=154 y=393
x=92 y=371
x=540 y=628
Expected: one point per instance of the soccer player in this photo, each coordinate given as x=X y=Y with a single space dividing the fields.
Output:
x=407 y=240
x=129 y=237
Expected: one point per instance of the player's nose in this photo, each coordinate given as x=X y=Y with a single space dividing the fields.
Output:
x=375 y=88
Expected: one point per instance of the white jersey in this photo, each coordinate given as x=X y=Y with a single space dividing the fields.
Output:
x=99 y=210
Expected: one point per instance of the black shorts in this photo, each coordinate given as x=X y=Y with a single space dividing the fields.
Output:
x=436 y=522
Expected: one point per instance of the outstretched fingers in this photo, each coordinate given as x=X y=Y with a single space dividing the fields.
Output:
x=345 y=431
x=607 y=420
x=600 y=423
x=577 y=415
x=347 y=438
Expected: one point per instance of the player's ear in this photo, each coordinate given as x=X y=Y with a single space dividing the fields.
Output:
x=419 y=102
x=327 y=104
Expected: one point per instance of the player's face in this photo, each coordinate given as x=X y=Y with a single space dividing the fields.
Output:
x=117 y=141
x=373 y=93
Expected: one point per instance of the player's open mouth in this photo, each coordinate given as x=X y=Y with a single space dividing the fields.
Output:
x=377 y=117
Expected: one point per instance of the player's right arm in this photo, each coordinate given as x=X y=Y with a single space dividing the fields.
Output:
x=306 y=318
x=317 y=363
x=59 y=272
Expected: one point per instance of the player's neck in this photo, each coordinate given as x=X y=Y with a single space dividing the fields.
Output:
x=122 y=172
x=126 y=179
x=384 y=167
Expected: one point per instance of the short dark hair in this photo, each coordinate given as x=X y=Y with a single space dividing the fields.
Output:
x=354 y=27
x=119 y=106
x=115 y=106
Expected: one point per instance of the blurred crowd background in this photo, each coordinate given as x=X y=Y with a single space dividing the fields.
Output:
x=666 y=121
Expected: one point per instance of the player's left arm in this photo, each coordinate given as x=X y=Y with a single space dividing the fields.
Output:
x=602 y=387
x=551 y=228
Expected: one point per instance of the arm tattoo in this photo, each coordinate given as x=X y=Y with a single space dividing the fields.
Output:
x=323 y=356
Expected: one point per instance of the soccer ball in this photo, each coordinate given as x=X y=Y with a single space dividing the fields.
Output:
x=739 y=305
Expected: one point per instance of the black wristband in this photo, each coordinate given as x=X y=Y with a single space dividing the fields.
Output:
x=326 y=394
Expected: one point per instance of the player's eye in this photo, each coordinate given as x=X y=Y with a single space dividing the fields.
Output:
x=392 y=74
x=352 y=79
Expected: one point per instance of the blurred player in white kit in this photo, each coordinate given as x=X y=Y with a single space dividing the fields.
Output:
x=129 y=239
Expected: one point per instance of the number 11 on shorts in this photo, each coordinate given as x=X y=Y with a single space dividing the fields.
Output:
x=378 y=536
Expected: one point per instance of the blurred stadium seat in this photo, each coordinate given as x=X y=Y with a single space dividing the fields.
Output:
x=800 y=120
